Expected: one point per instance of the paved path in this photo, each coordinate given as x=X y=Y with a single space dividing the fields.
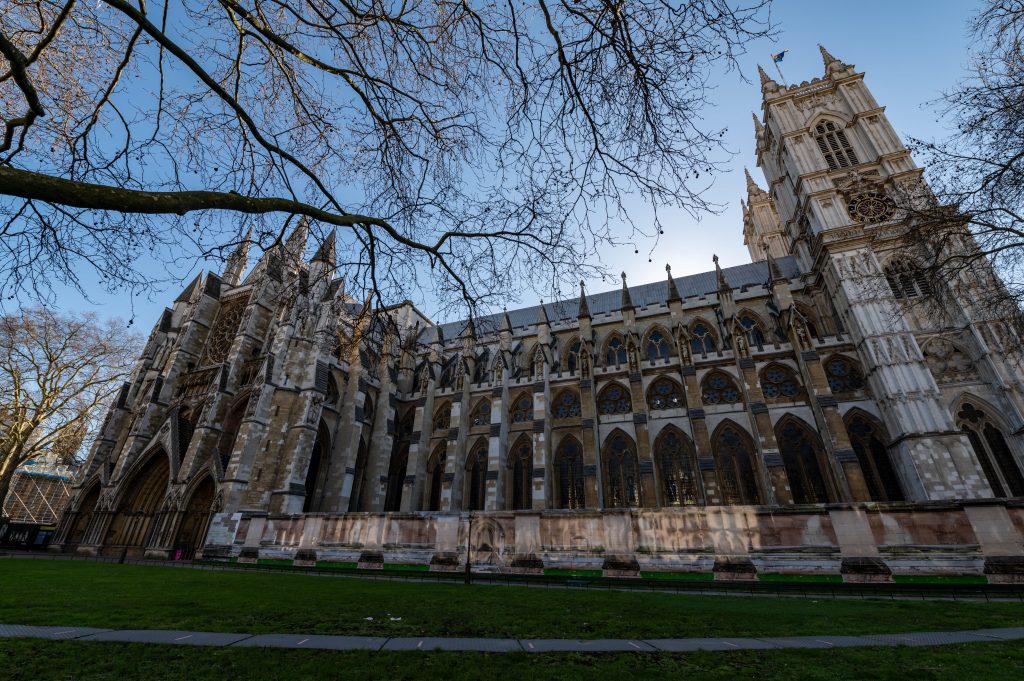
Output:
x=503 y=645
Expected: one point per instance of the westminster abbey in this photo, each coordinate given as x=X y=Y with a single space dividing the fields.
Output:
x=802 y=413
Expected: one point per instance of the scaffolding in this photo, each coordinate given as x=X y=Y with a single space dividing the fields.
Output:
x=39 y=492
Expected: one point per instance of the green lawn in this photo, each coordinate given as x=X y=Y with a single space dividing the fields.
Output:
x=142 y=597
x=23 y=660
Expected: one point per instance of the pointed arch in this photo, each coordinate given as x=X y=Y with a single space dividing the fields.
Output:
x=868 y=438
x=442 y=420
x=316 y=472
x=140 y=501
x=196 y=519
x=657 y=343
x=435 y=477
x=84 y=513
x=676 y=462
x=702 y=337
x=810 y=319
x=481 y=413
x=476 y=476
x=229 y=431
x=614 y=398
x=779 y=383
x=570 y=486
x=665 y=393
x=753 y=327
x=396 y=476
x=571 y=354
x=520 y=465
x=720 y=387
x=615 y=353
x=521 y=410
x=566 y=404
x=834 y=145
x=844 y=374
x=802 y=455
x=735 y=469
x=621 y=471
x=990 y=447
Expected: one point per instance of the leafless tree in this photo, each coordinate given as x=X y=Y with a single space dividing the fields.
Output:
x=462 y=148
x=55 y=373
x=969 y=225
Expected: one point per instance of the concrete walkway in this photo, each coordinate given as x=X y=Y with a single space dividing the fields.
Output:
x=503 y=645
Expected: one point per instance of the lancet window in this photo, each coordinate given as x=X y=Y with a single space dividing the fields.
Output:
x=801 y=450
x=907 y=280
x=616 y=355
x=520 y=463
x=834 y=146
x=481 y=414
x=734 y=465
x=569 y=468
x=476 y=477
x=868 y=444
x=701 y=339
x=622 y=473
x=435 y=476
x=677 y=471
x=443 y=417
x=658 y=346
x=994 y=455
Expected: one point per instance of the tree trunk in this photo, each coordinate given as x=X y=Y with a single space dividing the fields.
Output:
x=8 y=464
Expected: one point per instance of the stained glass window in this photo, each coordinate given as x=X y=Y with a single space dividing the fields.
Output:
x=720 y=388
x=701 y=341
x=664 y=393
x=522 y=409
x=521 y=463
x=481 y=414
x=674 y=455
x=567 y=404
x=435 y=474
x=734 y=464
x=614 y=399
x=616 y=351
x=844 y=376
x=800 y=450
x=476 y=468
x=754 y=332
x=622 y=473
x=658 y=346
x=879 y=475
x=993 y=453
x=569 y=466
x=443 y=417
x=779 y=382
x=572 y=358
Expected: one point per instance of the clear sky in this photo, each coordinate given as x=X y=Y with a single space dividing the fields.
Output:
x=910 y=51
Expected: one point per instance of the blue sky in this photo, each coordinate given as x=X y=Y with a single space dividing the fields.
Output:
x=909 y=50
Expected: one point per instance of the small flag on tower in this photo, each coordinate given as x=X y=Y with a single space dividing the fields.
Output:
x=779 y=57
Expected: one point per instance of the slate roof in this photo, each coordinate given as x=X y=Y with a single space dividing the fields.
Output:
x=644 y=295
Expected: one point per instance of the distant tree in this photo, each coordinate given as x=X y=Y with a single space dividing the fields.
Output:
x=461 y=147
x=970 y=223
x=56 y=372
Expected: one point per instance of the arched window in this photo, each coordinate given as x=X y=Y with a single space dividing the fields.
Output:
x=522 y=409
x=701 y=340
x=476 y=477
x=399 y=460
x=800 y=450
x=719 y=387
x=443 y=417
x=779 y=383
x=869 y=444
x=435 y=476
x=448 y=372
x=907 y=280
x=616 y=351
x=572 y=357
x=755 y=334
x=614 y=399
x=665 y=393
x=332 y=390
x=734 y=463
x=810 y=321
x=658 y=346
x=674 y=456
x=566 y=405
x=844 y=375
x=368 y=409
x=481 y=414
x=622 y=473
x=520 y=463
x=994 y=455
x=834 y=146
x=569 y=468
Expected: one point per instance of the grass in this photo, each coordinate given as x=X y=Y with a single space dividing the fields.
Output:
x=75 y=593
x=34 y=660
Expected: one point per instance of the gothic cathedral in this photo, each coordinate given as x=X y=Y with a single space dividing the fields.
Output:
x=803 y=413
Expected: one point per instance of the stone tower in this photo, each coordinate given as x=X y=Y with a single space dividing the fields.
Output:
x=834 y=164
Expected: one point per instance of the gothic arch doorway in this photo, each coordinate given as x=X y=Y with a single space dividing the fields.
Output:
x=196 y=520
x=84 y=515
x=130 y=527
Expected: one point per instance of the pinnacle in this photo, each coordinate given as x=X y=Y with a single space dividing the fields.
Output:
x=765 y=78
x=826 y=56
x=757 y=123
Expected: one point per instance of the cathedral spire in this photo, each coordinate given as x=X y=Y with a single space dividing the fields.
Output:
x=627 y=300
x=326 y=252
x=752 y=189
x=758 y=128
x=673 y=290
x=767 y=83
x=584 y=309
x=295 y=244
x=238 y=261
x=830 y=61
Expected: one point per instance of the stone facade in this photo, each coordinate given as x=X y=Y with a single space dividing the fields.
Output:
x=810 y=411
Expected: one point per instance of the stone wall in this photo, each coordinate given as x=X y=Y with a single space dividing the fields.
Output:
x=860 y=541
